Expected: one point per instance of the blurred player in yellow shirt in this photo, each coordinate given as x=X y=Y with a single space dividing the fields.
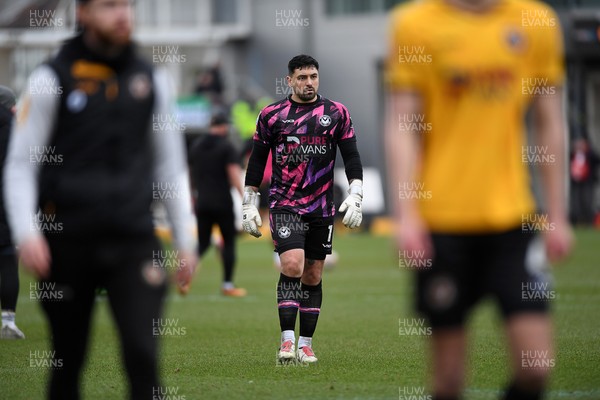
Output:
x=461 y=75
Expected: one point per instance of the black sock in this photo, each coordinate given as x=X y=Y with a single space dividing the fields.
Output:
x=228 y=254
x=515 y=393
x=288 y=296
x=445 y=397
x=9 y=282
x=310 y=307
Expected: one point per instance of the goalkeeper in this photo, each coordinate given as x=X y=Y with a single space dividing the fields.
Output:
x=303 y=132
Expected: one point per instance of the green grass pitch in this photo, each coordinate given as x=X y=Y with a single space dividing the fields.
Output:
x=228 y=349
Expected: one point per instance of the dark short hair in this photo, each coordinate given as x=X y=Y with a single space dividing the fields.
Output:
x=219 y=118
x=302 y=61
x=7 y=97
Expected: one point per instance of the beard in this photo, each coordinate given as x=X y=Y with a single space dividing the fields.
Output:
x=306 y=96
x=110 y=39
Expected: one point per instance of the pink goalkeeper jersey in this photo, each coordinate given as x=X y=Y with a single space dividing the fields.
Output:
x=303 y=138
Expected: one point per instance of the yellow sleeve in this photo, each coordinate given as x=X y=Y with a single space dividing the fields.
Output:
x=548 y=53
x=408 y=55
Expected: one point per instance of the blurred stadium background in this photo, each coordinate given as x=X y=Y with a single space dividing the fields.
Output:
x=232 y=55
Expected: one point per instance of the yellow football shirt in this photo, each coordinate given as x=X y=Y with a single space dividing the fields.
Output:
x=477 y=75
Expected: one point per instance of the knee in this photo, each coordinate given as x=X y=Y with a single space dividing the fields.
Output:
x=312 y=272
x=292 y=265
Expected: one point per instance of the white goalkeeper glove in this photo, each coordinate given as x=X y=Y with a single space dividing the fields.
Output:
x=353 y=205
x=250 y=216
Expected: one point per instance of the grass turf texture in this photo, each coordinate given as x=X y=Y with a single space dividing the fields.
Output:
x=228 y=350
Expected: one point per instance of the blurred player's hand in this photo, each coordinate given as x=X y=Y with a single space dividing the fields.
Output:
x=412 y=237
x=185 y=272
x=35 y=256
x=352 y=206
x=251 y=220
x=559 y=241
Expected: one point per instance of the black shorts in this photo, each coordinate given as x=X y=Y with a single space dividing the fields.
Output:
x=508 y=266
x=313 y=234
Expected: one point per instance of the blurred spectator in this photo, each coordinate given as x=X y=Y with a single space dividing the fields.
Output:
x=244 y=120
x=243 y=116
x=215 y=169
x=210 y=84
x=9 y=270
x=584 y=175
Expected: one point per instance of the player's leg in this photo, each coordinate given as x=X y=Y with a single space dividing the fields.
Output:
x=449 y=348
x=289 y=294
x=319 y=240
x=532 y=355
x=9 y=292
x=67 y=298
x=226 y=222
x=445 y=293
x=136 y=291
x=310 y=308
x=520 y=280
x=205 y=221
x=289 y=243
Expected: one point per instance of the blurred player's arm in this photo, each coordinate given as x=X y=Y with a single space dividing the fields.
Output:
x=234 y=171
x=406 y=85
x=549 y=131
x=33 y=127
x=190 y=162
x=234 y=174
x=403 y=150
x=170 y=166
x=403 y=153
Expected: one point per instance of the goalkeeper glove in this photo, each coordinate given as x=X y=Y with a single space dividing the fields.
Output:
x=353 y=205
x=250 y=216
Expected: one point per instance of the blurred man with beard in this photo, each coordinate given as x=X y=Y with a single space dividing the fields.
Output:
x=84 y=154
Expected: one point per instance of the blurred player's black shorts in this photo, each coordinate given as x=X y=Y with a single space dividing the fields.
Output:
x=509 y=266
x=311 y=233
